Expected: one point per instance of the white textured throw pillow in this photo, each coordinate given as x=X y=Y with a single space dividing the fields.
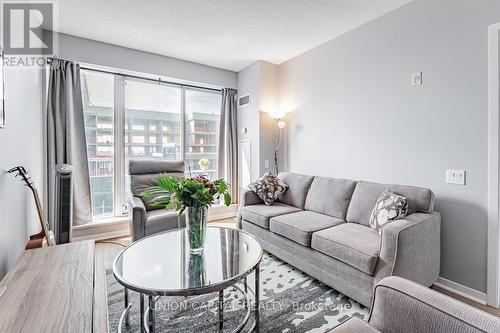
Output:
x=269 y=188
x=389 y=207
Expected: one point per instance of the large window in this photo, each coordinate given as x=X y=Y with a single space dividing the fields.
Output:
x=157 y=121
x=98 y=107
x=202 y=118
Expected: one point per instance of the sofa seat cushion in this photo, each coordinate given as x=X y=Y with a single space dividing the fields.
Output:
x=354 y=244
x=300 y=226
x=354 y=325
x=260 y=214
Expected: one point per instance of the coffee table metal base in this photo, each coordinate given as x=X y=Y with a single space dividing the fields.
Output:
x=147 y=316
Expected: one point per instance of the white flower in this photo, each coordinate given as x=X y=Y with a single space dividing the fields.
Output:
x=204 y=164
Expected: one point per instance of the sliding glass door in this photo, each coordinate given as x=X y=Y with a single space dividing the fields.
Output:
x=98 y=108
x=129 y=119
x=202 y=119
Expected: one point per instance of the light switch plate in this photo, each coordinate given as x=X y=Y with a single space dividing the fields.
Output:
x=416 y=79
x=456 y=177
x=266 y=164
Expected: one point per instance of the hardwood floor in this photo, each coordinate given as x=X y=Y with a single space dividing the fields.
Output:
x=106 y=251
x=486 y=308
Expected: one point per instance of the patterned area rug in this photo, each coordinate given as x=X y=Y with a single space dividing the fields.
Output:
x=291 y=302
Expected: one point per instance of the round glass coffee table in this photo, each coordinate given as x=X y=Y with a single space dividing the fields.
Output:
x=162 y=265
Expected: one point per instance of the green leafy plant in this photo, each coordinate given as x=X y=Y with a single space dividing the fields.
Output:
x=197 y=192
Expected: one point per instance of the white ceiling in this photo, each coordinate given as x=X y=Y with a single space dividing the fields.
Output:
x=229 y=34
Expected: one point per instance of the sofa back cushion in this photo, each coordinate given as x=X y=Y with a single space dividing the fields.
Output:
x=143 y=174
x=330 y=196
x=366 y=194
x=298 y=186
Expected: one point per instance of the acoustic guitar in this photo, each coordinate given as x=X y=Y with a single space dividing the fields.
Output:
x=45 y=237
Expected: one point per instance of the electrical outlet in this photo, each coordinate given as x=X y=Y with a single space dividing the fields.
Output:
x=416 y=79
x=456 y=177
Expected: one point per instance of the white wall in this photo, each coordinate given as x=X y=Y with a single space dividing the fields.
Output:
x=260 y=81
x=98 y=53
x=268 y=83
x=355 y=114
x=20 y=144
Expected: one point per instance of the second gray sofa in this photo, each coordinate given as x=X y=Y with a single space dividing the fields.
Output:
x=321 y=226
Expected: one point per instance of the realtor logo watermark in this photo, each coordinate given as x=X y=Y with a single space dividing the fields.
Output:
x=23 y=25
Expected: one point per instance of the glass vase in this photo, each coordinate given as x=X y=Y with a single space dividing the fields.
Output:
x=196 y=220
x=196 y=275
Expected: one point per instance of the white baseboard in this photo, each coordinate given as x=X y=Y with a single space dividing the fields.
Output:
x=461 y=290
x=104 y=235
x=99 y=231
x=221 y=216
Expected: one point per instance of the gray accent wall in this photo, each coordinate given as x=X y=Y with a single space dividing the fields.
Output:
x=355 y=114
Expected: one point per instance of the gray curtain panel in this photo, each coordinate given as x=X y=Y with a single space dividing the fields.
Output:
x=66 y=137
x=228 y=141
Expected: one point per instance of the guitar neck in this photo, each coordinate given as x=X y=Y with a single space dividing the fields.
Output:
x=45 y=234
x=43 y=222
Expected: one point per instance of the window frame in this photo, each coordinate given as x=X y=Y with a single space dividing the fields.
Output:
x=120 y=204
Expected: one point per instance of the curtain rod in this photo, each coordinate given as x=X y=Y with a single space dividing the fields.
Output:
x=159 y=80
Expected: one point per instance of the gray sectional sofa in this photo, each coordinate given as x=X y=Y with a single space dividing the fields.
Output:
x=321 y=226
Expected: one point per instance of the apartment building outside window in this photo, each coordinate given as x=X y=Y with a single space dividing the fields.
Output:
x=152 y=118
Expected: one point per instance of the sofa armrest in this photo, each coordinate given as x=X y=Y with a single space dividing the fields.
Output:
x=247 y=198
x=138 y=220
x=400 y=305
x=411 y=248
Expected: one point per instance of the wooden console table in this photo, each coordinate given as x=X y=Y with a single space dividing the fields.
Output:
x=55 y=289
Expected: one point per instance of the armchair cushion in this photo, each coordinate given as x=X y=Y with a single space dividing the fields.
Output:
x=261 y=213
x=162 y=220
x=400 y=305
x=143 y=174
x=354 y=325
x=300 y=226
x=354 y=244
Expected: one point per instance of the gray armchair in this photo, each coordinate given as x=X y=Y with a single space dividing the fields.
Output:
x=403 y=306
x=145 y=218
